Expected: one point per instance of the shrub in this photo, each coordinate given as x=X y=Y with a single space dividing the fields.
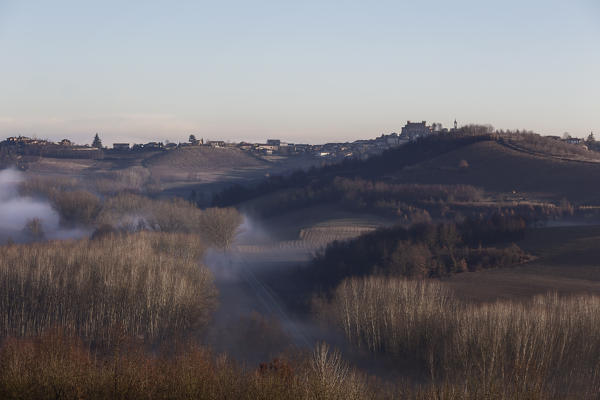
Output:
x=56 y=366
x=76 y=207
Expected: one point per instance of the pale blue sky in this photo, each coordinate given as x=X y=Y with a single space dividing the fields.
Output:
x=303 y=71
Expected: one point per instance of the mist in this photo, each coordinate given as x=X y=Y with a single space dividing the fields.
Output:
x=253 y=323
x=16 y=211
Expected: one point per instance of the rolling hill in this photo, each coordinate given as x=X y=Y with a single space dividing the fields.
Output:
x=498 y=168
x=489 y=161
x=184 y=161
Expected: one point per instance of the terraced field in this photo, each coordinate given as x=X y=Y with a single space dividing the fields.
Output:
x=309 y=240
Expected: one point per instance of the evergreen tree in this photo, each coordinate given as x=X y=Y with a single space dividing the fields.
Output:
x=97 y=143
x=591 y=139
x=192 y=139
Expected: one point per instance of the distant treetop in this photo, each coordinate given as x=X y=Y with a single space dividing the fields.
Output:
x=97 y=143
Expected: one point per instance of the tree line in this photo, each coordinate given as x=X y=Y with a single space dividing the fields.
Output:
x=547 y=347
x=422 y=251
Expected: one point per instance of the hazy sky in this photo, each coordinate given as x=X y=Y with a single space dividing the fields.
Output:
x=303 y=71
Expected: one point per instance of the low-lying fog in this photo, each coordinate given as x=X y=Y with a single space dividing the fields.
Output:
x=252 y=321
x=16 y=211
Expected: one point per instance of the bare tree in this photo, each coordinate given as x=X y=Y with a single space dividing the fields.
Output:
x=220 y=225
x=34 y=229
x=591 y=139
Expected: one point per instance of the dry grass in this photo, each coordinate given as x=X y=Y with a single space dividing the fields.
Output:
x=146 y=285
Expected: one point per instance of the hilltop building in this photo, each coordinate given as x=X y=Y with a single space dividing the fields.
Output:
x=216 y=143
x=121 y=146
x=414 y=130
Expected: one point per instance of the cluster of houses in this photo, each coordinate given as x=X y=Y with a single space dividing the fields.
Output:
x=279 y=147
x=359 y=148
x=22 y=145
x=356 y=149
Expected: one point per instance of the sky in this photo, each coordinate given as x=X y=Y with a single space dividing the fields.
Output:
x=301 y=71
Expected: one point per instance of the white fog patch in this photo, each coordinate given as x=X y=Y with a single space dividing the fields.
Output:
x=17 y=210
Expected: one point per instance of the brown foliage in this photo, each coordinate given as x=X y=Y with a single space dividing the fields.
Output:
x=57 y=366
x=76 y=207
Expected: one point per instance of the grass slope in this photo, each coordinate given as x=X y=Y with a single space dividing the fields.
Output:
x=567 y=262
x=498 y=168
x=200 y=157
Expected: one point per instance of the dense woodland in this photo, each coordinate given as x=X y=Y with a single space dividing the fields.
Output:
x=422 y=251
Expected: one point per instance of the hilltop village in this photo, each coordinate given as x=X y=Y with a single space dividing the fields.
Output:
x=21 y=145
x=362 y=149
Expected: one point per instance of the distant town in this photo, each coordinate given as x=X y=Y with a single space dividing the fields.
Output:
x=364 y=148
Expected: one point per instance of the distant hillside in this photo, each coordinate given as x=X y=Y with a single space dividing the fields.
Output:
x=501 y=166
x=200 y=163
x=204 y=157
x=497 y=167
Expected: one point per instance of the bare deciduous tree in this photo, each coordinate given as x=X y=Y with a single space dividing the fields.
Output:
x=34 y=229
x=219 y=226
